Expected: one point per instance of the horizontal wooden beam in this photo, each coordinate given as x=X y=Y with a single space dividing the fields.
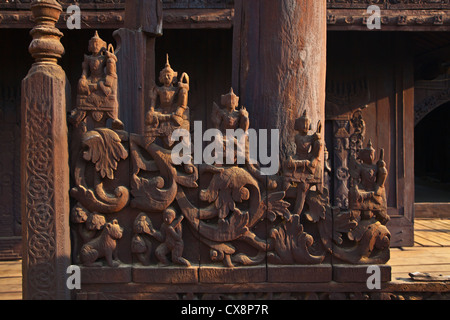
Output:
x=390 y=20
x=173 y=19
x=338 y=19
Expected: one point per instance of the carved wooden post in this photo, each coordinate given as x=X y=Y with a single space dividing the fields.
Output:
x=45 y=169
x=279 y=63
x=136 y=60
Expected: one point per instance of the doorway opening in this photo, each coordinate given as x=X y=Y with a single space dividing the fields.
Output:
x=432 y=164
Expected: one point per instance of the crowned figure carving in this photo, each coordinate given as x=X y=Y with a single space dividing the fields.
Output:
x=97 y=87
x=367 y=191
x=305 y=168
x=168 y=105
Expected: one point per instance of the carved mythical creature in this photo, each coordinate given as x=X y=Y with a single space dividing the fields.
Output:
x=242 y=216
x=104 y=246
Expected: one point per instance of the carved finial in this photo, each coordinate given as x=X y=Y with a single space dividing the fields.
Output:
x=168 y=68
x=230 y=99
x=94 y=40
x=370 y=145
x=303 y=123
x=45 y=45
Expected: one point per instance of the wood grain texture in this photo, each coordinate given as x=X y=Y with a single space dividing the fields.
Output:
x=279 y=64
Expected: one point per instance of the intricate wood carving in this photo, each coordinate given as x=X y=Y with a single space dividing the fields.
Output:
x=97 y=87
x=104 y=246
x=233 y=205
x=227 y=217
x=430 y=103
x=45 y=171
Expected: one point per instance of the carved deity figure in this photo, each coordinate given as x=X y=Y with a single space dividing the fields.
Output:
x=171 y=237
x=168 y=105
x=305 y=167
x=309 y=146
x=97 y=87
x=367 y=190
x=228 y=117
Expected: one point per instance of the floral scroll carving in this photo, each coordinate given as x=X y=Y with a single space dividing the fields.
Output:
x=226 y=214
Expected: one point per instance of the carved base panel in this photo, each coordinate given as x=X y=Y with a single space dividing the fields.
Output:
x=214 y=274
x=299 y=274
x=175 y=282
x=346 y=273
x=318 y=288
x=168 y=275
x=121 y=274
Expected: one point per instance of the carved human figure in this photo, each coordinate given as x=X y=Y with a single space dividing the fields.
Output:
x=367 y=190
x=305 y=167
x=359 y=131
x=171 y=237
x=141 y=246
x=97 y=87
x=228 y=117
x=308 y=148
x=168 y=105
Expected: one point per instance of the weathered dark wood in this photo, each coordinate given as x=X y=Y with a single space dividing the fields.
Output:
x=45 y=159
x=136 y=60
x=145 y=15
x=135 y=69
x=279 y=64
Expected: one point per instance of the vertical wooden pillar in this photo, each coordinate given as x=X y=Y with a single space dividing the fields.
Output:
x=136 y=60
x=44 y=162
x=279 y=63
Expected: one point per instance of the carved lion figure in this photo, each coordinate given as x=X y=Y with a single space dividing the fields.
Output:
x=103 y=246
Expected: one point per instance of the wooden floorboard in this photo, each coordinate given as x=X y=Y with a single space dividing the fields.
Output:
x=432 y=232
x=11 y=280
x=431 y=254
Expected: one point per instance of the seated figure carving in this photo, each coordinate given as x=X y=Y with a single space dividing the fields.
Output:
x=227 y=117
x=168 y=105
x=367 y=190
x=97 y=87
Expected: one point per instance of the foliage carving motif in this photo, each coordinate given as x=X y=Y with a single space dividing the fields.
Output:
x=176 y=212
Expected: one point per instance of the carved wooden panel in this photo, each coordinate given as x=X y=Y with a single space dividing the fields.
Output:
x=135 y=208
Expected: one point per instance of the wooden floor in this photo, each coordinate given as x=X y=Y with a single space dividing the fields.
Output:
x=430 y=254
x=11 y=280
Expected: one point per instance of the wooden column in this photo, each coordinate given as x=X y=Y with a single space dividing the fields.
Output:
x=279 y=63
x=136 y=60
x=44 y=162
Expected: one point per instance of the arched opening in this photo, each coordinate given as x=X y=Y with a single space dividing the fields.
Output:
x=432 y=158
